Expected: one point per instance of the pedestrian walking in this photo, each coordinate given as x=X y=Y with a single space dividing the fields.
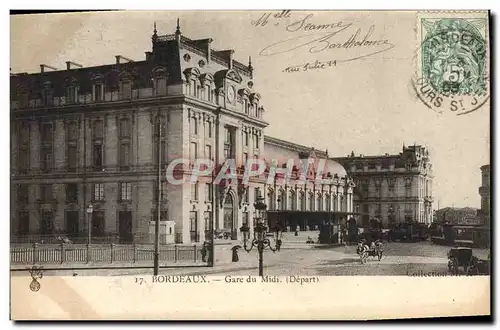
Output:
x=234 y=250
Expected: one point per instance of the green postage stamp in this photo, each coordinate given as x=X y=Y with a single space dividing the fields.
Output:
x=452 y=66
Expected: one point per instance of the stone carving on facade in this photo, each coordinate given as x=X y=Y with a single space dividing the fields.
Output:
x=223 y=191
x=241 y=191
x=233 y=75
x=206 y=79
x=190 y=73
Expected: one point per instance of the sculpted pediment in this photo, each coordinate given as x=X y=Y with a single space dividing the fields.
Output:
x=227 y=74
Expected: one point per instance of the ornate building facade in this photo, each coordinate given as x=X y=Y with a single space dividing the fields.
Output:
x=484 y=191
x=104 y=135
x=392 y=188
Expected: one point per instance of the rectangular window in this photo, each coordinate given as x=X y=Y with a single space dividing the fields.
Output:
x=194 y=126
x=23 y=100
x=194 y=192
x=72 y=158
x=208 y=151
x=245 y=139
x=126 y=191
x=46 y=192
x=245 y=158
x=98 y=191
x=72 y=192
x=161 y=86
x=124 y=128
x=22 y=193
x=24 y=222
x=98 y=92
x=48 y=98
x=72 y=94
x=47 y=135
x=227 y=135
x=207 y=216
x=126 y=90
x=72 y=131
x=24 y=135
x=193 y=150
x=124 y=155
x=47 y=159
x=257 y=141
x=98 y=130
x=208 y=130
x=208 y=192
x=23 y=160
x=193 y=225
x=97 y=159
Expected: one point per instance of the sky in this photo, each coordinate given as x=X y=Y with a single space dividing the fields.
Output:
x=365 y=105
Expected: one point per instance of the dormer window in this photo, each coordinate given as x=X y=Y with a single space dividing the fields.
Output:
x=126 y=89
x=72 y=94
x=97 y=88
x=98 y=92
x=160 y=86
x=47 y=94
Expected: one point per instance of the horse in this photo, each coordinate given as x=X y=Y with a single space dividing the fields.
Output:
x=364 y=251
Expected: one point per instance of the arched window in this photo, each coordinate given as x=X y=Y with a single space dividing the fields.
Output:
x=97 y=89
x=311 y=202
x=291 y=201
x=270 y=201
x=302 y=201
x=282 y=199
x=319 y=206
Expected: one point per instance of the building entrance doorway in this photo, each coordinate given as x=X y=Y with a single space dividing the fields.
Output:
x=125 y=227
x=72 y=223
x=229 y=216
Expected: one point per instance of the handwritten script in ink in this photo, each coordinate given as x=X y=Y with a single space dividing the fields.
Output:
x=334 y=37
x=316 y=65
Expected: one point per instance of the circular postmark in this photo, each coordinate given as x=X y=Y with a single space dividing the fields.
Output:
x=452 y=66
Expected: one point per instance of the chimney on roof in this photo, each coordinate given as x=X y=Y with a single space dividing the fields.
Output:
x=43 y=66
x=69 y=63
x=209 y=50
x=231 y=53
x=119 y=57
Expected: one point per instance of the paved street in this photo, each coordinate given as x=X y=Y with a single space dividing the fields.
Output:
x=399 y=259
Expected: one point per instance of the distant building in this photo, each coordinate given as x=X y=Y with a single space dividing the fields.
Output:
x=484 y=191
x=458 y=216
x=392 y=188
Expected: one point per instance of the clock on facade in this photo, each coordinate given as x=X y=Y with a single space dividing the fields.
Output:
x=230 y=94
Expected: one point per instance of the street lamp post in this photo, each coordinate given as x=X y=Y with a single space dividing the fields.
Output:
x=260 y=239
x=90 y=209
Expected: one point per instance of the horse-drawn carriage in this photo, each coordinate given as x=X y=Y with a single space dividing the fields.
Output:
x=463 y=257
x=365 y=250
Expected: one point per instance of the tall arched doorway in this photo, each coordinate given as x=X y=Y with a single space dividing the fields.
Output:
x=230 y=216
